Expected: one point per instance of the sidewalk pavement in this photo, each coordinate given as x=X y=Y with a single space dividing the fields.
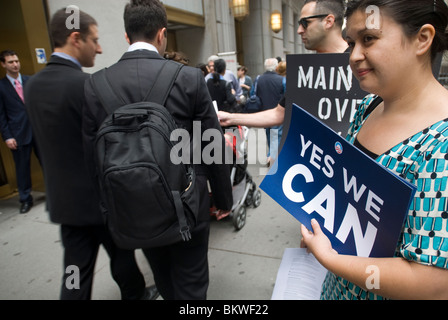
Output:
x=243 y=264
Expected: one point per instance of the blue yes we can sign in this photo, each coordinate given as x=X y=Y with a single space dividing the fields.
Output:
x=360 y=205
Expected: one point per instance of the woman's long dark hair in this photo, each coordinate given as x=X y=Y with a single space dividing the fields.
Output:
x=220 y=67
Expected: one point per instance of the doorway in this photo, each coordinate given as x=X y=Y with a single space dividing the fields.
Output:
x=23 y=28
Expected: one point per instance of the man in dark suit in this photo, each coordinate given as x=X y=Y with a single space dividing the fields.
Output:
x=55 y=98
x=181 y=269
x=15 y=126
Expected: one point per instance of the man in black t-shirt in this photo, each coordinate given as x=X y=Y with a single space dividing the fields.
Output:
x=320 y=27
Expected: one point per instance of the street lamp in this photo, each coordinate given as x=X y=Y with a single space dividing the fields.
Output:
x=276 y=21
x=240 y=9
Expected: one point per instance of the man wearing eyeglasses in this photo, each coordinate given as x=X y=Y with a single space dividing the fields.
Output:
x=320 y=26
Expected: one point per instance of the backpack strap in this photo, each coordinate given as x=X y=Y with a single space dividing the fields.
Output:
x=158 y=93
x=183 y=225
x=107 y=96
x=164 y=83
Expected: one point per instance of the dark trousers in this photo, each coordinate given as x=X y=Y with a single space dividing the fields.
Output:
x=22 y=161
x=181 y=270
x=81 y=245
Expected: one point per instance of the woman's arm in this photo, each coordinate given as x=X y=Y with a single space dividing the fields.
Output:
x=262 y=119
x=398 y=278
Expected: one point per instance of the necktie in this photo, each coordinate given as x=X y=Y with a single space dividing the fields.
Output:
x=19 y=90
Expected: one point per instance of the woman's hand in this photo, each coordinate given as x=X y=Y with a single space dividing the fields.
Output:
x=317 y=242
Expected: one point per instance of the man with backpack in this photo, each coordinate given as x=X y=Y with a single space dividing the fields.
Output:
x=150 y=202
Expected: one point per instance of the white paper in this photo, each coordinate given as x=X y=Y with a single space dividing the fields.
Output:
x=300 y=276
x=215 y=105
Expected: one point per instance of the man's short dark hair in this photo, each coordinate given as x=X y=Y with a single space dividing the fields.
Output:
x=6 y=53
x=60 y=32
x=143 y=19
x=335 y=7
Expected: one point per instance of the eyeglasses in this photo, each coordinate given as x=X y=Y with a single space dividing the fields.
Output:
x=304 y=21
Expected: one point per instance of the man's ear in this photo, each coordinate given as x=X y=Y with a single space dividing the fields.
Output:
x=424 y=39
x=161 y=35
x=127 y=38
x=74 y=38
x=329 y=21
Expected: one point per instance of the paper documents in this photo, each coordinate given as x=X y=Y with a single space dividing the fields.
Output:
x=299 y=277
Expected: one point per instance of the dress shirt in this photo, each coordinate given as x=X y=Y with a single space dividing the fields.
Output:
x=13 y=81
x=142 y=46
x=67 y=57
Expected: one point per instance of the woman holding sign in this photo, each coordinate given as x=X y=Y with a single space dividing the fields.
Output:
x=393 y=44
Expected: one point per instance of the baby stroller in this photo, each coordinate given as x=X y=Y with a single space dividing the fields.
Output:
x=245 y=192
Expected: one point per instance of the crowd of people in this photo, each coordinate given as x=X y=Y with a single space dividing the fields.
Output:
x=405 y=131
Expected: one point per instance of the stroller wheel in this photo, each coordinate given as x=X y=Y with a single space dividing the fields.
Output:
x=257 y=199
x=249 y=198
x=239 y=218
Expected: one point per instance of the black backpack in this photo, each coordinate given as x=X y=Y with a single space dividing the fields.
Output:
x=149 y=201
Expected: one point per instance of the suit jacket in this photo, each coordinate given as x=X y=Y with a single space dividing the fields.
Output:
x=55 y=98
x=14 y=121
x=188 y=101
x=270 y=89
